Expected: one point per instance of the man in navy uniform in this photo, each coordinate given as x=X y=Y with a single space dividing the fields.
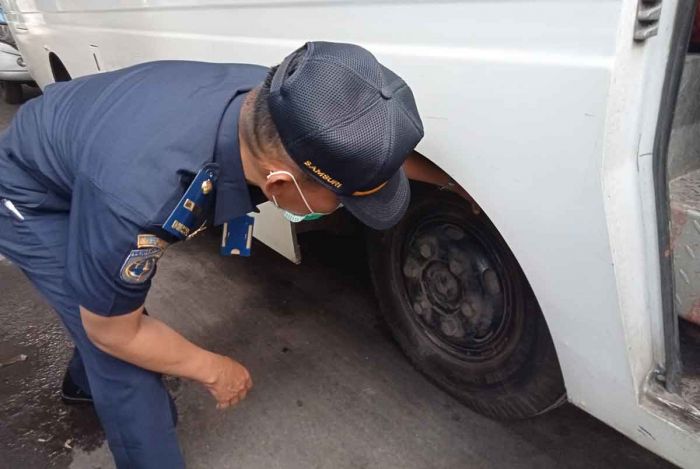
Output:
x=99 y=175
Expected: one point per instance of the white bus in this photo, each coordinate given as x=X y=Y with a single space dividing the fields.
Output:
x=575 y=127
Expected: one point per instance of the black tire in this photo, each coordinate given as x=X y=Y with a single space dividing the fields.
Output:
x=460 y=307
x=13 y=92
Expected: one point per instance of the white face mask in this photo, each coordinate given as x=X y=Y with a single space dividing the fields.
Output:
x=293 y=217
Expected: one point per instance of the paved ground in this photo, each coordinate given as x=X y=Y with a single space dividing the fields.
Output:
x=332 y=389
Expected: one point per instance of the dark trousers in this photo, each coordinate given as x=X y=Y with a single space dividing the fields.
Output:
x=132 y=403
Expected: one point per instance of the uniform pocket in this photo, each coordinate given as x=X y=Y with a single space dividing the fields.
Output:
x=20 y=188
x=33 y=197
x=22 y=196
x=53 y=203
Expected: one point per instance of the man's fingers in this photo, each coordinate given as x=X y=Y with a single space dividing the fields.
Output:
x=232 y=385
x=222 y=405
x=237 y=398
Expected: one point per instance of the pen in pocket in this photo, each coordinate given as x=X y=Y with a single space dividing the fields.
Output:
x=13 y=210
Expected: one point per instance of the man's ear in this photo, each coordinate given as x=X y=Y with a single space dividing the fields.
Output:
x=277 y=183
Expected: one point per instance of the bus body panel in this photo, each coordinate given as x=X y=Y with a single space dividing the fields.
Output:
x=542 y=110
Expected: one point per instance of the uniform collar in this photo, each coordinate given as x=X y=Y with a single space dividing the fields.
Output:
x=233 y=198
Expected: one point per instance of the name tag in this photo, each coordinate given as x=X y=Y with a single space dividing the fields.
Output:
x=237 y=236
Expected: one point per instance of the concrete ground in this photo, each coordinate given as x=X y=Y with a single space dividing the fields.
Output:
x=332 y=390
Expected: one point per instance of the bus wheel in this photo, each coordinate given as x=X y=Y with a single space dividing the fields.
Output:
x=461 y=308
x=13 y=92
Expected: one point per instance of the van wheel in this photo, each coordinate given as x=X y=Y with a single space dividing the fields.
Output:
x=461 y=308
x=13 y=92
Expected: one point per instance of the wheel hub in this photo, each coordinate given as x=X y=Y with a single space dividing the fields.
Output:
x=452 y=281
x=442 y=287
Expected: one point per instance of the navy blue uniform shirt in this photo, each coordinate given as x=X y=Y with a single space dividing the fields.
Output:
x=115 y=152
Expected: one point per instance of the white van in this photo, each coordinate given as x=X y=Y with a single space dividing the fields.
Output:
x=557 y=118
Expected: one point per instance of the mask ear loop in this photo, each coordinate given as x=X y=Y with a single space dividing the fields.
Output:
x=298 y=189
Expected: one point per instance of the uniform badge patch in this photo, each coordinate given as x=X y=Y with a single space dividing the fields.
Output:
x=150 y=241
x=140 y=265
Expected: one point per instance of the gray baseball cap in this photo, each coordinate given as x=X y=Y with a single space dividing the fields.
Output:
x=350 y=123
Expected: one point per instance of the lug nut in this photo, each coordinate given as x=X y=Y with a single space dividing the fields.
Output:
x=411 y=269
x=468 y=311
x=451 y=327
x=491 y=283
x=454 y=233
x=456 y=267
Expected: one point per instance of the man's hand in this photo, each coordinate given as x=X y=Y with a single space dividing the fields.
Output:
x=419 y=168
x=146 y=342
x=230 y=384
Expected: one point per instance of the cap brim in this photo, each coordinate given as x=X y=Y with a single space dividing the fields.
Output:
x=384 y=208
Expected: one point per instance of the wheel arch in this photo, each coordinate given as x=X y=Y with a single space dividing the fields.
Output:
x=436 y=177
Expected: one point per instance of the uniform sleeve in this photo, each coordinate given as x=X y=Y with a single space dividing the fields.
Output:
x=106 y=270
